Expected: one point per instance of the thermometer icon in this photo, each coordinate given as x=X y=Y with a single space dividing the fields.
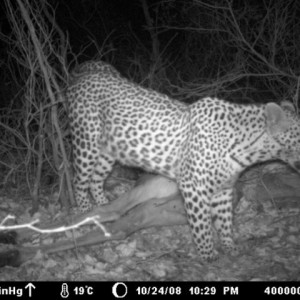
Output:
x=64 y=291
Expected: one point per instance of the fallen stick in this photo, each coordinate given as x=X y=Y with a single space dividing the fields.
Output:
x=154 y=201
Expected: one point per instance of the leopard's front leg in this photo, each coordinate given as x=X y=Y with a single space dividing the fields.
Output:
x=222 y=218
x=198 y=209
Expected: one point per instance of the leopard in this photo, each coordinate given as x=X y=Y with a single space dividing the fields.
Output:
x=203 y=146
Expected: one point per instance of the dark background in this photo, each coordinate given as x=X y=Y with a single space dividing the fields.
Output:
x=245 y=51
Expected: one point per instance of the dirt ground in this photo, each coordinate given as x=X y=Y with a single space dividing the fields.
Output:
x=266 y=229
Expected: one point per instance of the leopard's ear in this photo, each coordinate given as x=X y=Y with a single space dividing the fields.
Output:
x=276 y=118
x=288 y=105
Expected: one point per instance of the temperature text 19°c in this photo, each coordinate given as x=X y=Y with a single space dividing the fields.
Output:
x=84 y=290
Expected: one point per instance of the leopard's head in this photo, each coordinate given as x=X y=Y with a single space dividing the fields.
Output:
x=283 y=126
